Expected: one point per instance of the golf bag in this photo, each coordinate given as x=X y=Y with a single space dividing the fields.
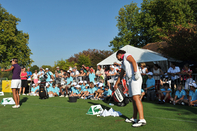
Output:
x=119 y=94
x=42 y=91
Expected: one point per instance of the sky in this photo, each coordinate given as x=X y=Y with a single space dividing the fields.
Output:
x=58 y=29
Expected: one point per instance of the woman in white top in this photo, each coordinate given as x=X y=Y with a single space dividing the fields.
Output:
x=156 y=75
x=35 y=76
x=130 y=66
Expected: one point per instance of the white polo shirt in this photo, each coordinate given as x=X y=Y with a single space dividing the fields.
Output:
x=175 y=70
x=127 y=66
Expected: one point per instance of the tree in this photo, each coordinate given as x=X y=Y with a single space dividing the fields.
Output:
x=64 y=64
x=33 y=68
x=139 y=26
x=13 y=42
x=181 y=43
x=47 y=66
x=84 y=60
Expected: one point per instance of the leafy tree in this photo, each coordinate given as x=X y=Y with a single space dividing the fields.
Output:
x=33 y=68
x=47 y=66
x=139 y=26
x=181 y=43
x=64 y=64
x=84 y=60
x=13 y=42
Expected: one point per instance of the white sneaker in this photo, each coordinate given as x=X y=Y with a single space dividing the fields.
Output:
x=66 y=96
x=131 y=120
x=81 y=97
x=24 y=94
x=140 y=123
x=18 y=106
x=15 y=106
x=27 y=94
x=61 y=96
x=19 y=94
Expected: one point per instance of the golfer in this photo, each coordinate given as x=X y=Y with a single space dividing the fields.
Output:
x=16 y=81
x=130 y=66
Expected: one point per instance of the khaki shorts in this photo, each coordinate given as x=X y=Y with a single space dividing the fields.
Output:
x=64 y=86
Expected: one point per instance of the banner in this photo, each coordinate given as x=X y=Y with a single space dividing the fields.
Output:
x=95 y=110
x=8 y=101
x=6 y=86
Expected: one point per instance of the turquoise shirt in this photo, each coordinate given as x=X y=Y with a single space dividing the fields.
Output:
x=33 y=89
x=150 y=82
x=56 y=90
x=164 y=93
x=50 y=89
x=92 y=77
x=37 y=87
x=48 y=76
x=82 y=87
x=108 y=92
x=181 y=93
x=90 y=91
x=142 y=90
x=193 y=95
x=69 y=80
x=94 y=89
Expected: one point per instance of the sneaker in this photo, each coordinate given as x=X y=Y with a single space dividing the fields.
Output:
x=66 y=96
x=182 y=103
x=96 y=99
x=27 y=94
x=24 y=94
x=91 y=98
x=18 y=106
x=19 y=94
x=61 y=96
x=139 y=123
x=15 y=106
x=81 y=97
x=132 y=120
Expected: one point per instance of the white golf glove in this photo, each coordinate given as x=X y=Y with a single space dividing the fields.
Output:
x=137 y=75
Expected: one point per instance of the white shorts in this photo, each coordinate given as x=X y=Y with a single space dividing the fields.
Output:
x=135 y=86
x=16 y=83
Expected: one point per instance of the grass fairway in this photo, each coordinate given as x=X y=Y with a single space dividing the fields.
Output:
x=58 y=114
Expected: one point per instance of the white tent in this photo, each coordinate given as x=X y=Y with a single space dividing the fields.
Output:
x=140 y=55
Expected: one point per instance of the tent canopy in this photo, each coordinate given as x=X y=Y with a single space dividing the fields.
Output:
x=140 y=55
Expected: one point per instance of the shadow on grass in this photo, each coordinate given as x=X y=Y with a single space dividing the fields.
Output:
x=107 y=108
x=23 y=100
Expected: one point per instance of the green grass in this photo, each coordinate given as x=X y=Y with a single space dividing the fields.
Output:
x=58 y=114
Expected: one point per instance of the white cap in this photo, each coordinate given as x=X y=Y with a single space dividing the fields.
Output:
x=62 y=83
x=111 y=66
x=78 y=86
x=74 y=83
x=101 y=84
x=57 y=67
x=85 y=81
x=87 y=85
x=193 y=84
x=47 y=68
x=47 y=84
x=70 y=69
x=33 y=84
x=51 y=79
x=80 y=81
x=38 y=81
x=95 y=83
x=150 y=73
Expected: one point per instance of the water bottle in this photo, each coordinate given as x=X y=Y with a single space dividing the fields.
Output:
x=111 y=104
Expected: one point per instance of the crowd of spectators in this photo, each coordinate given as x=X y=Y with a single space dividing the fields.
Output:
x=174 y=85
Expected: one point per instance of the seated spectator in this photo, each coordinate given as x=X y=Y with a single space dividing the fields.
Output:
x=150 y=87
x=180 y=96
x=107 y=94
x=164 y=94
x=142 y=94
x=91 y=76
x=192 y=94
x=34 y=91
x=49 y=90
x=55 y=90
x=69 y=81
x=85 y=92
x=99 y=92
x=112 y=73
x=91 y=91
x=74 y=91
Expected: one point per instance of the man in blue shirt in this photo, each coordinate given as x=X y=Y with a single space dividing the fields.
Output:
x=150 y=87
x=192 y=94
x=91 y=76
x=69 y=81
x=164 y=94
x=107 y=93
x=29 y=74
x=180 y=96
x=49 y=75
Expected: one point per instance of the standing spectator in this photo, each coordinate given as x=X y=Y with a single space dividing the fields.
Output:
x=35 y=77
x=23 y=76
x=49 y=75
x=150 y=87
x=91 y=67
x=75 y=74
x=84 y=68
x=41 y=74
x=58 y=70
x=91 y=75
x=143 y=71
x=29 y=74
x=174 y=71
x=82 y=75
x=157 y=72
x=112 y=73
x=100 y=73
x=187 y=78
x=69 y=81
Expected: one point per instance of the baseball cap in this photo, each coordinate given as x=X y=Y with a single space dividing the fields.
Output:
x=193 y=84
x=85 y=81
x=78 y=86
x=47 y=68
x=111 y=66
x=38 y=81
x=150 y=73
x=101 y=84
x=57 y=67
x=80 y=81
x=47 y=84
x=33 y=84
